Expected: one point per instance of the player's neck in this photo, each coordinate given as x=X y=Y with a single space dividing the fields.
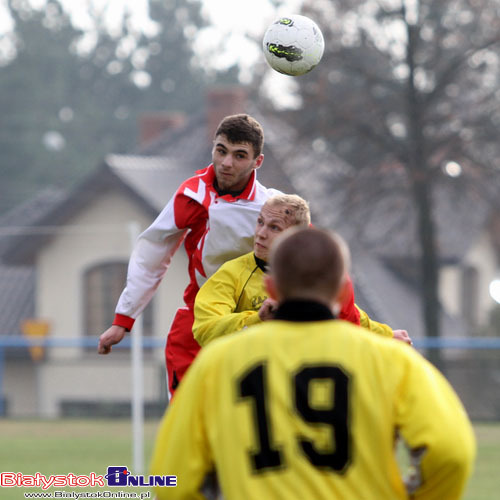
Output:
x=223 y=192
x=261 y=263
x=303 y=310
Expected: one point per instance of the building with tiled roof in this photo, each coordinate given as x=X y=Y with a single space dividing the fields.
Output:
x=67 y=267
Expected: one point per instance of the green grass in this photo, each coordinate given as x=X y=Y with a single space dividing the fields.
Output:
x=485 y=482
x=64 y=446
x=84 y=446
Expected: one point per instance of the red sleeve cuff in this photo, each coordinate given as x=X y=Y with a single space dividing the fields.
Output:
x=125 y=321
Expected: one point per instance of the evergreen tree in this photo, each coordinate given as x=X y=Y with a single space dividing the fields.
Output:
x=66 y=103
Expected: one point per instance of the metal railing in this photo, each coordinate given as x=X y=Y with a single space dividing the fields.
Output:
x=159 y=342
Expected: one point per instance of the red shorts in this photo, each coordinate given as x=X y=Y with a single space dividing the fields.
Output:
x=181 y=348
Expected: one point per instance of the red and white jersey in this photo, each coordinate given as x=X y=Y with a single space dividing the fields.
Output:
x=214 y=229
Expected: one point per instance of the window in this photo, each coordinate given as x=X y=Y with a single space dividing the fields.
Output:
x=103 y=285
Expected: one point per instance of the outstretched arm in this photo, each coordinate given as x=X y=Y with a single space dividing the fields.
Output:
x=216 y=305
x=374 y=326
x=381 y=328
x=109 y=338
x=403 y=336
x=148 y=264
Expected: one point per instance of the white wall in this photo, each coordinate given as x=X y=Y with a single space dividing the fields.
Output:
x=450 y=289
x=482 y=257
x=92 y=379
x=98 y=234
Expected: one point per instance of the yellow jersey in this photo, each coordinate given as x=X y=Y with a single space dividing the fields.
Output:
x=374 y=326
x=309 y=410
x=229 y=301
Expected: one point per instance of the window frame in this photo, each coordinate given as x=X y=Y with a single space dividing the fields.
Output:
x=100 y=297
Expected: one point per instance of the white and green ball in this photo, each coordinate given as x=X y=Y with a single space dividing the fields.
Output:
x=293 y=45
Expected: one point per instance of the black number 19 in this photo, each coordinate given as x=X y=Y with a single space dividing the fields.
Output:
x=254 y=385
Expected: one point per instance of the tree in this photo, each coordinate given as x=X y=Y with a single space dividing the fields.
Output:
x=407 y=93
x=70 y=97
x=31 y=83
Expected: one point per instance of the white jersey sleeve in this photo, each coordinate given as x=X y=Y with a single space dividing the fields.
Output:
x=149 y=261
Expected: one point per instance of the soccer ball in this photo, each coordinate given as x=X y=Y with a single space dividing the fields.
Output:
x=293 y=45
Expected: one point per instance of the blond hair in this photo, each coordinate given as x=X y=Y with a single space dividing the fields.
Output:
x=296 y=208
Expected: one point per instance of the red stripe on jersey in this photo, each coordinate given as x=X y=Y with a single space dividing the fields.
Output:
x=191 y=205
x=349 y=311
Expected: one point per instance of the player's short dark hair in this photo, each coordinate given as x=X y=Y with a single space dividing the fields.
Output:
x=309 y=262
x=242 y=128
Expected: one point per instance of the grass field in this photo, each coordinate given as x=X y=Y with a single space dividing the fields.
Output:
x=84 y=446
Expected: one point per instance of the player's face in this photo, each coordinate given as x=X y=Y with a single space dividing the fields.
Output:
x=271 y=222
x=233 y=163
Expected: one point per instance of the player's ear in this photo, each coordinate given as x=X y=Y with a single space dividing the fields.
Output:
x=270 y=287
x=258 y=161
x=344 y=293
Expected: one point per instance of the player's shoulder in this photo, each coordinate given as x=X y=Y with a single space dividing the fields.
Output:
x=360 y=337
x=272 y=336
x=262 y=193
x=206 y=175
x=395 y=351
x=239 y=262
x=237 y=268
x=388 y=358
x=236 y=265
